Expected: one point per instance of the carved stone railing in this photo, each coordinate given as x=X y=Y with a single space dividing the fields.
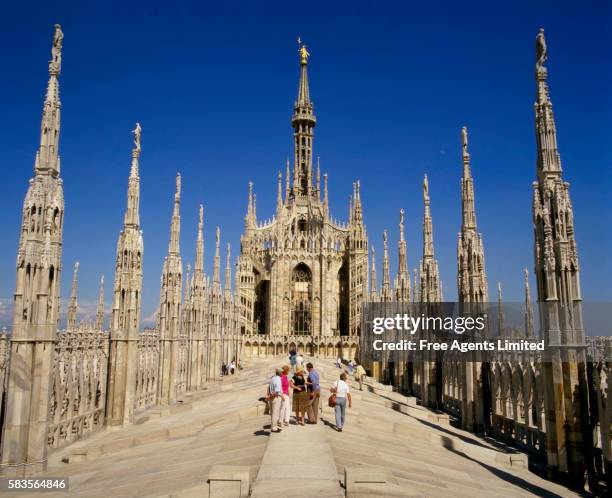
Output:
x=333 y=346
x=517 y=402
x=78 y=388
x=148 y=367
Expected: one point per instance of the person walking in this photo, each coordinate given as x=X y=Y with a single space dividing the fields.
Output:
x=339 y=362
x=292 y=360
x=314 y=392
x=275 y=390
x=360 y=374
x=342 y=392
x=300 y=396
x=285 y=410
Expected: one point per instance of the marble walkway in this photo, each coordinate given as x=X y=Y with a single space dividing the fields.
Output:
x=170 y=451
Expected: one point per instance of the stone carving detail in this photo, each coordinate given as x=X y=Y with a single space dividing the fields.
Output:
x=79 y=371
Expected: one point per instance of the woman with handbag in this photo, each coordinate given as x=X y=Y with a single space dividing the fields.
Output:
x=340 y=395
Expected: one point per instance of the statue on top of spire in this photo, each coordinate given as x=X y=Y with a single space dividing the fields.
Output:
x=56 y=50
x=541 y=51
x=137 y=131
x=304 y=54
x=464 y=139
x=425 y=188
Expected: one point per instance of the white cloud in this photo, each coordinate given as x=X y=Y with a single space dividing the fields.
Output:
x=151 y=320
x=6 y=312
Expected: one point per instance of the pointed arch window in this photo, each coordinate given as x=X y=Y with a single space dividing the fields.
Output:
x=301 y=300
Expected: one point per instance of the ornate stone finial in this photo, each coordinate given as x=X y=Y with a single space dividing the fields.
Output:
x=425 y=189
x=385 y=238
x=201 y=216
x=401 y=217
x=304 y=54
x=137 y=132
x=55 y=65
x=218 y=237
x=541 y=51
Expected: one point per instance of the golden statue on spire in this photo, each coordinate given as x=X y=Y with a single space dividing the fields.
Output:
x=304 y=54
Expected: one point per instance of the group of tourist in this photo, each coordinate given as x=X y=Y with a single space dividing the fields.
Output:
x=228 y=368
x=301 y=394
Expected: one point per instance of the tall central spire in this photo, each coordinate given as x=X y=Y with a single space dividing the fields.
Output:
x=303 y=122
x=47 y=157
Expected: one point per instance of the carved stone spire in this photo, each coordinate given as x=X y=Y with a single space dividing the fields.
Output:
x=557 y=271
x=549 y=160
x=170 y=308
x=429 y=279
x=199 y=262
x=500 y=312
x=217 y=267
x=132 y=213
x=385 y=292
x=250 y=218
x=468 y=213
x=402 y=290
x=175 y=229
x=303 y=122
x=529 y=327
x=287 y=182
x=373 y=279
x=279 y=193
x=37 y=295
x=100 y=310
x=318 y=178
x=228 y=274
x=127 y=292
x=73 y=306
x=471 y=275
x=325 y=195
x=356 y=210
x=557 y=266
x=47 y=157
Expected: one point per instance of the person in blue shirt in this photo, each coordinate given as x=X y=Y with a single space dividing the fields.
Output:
x=314 y=390
x=275 y=396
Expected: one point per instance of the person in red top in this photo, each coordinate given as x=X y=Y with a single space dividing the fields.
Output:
x=285 y=410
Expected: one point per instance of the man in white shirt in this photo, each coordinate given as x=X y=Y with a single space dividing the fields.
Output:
x=342 y=391
x=275 y=390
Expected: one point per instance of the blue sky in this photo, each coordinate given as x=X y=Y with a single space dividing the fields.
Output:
x=213 y=87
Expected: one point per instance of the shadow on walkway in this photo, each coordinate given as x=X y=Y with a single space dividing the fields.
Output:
x=506 y=476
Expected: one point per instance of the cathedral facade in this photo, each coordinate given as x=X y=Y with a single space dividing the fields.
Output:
x=303 y=273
